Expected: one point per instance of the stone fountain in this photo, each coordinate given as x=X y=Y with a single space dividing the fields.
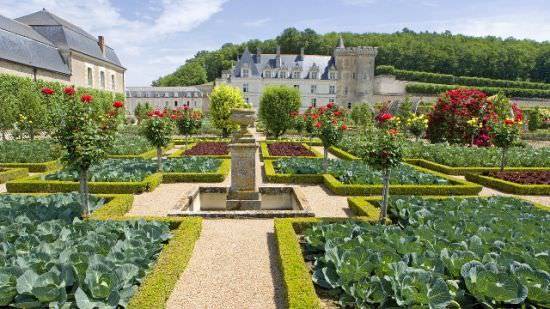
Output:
x=244 y=198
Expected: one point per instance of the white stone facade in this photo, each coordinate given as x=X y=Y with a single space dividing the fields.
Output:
x=165 y=97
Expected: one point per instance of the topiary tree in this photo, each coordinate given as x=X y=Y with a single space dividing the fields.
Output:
x=504 y=134
x=276 y=105
x=86 y=134
x=188 y=121
x=362 y=115
x=329 y=128
x=158 y=129
x=223 y=99
x=8 y=101
x=384 y=152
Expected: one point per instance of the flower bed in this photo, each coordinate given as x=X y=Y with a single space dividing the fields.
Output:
x=207 y=149
x=126 y=176
x=385 y=261
x=520 y=182
x=355 y=178
x=276 y=150
x=7 y=174
x=37 y=155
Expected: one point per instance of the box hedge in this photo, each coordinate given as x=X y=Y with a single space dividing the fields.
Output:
x=7 y=174
x=265 y=155
x=304 y=140
x=456 y=186
x=217 y=176
x=447 y=79
x=342 y=154
x=508 y=186
x=427 y=88
x=152 y=153
x=463 y=170
x=35 y=167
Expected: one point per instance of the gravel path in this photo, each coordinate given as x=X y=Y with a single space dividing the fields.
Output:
x=320 y=150
x=234 y=265
x=3 y=188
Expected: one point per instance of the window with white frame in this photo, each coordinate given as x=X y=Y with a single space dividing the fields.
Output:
x=353 y=75
x=332 y=89
x=332 y=75
x=313 y=89
x=296 y=74
x=267 y=74
x=245 y=87
x=90 y=78
x=113 y=84
x=247 y=100
x=245 y=73
x=314 y=75
x=346 y=90
x=331 y=100
x=314 y=102
x=273 y=74
x=283 y=74
x=102 y=79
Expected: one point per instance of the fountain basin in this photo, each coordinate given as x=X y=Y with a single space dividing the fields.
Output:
x=211 y=202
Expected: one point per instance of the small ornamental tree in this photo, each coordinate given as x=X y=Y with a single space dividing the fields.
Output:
x=141 y=111
x=329 y=128
x=223 y=99
x=417 y=124
x=276 y=105
x=8 y=102
x=504 y=134
x=86 y=134
x=33 y=112
x=310 y=118
x=384 y=152
x=188 y=121
x=298 y=122
x=158 y=129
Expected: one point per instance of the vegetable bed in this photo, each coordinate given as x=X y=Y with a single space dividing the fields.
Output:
x=356 y=178
x=208 y=149
x=126 y=176
x=7 y=174
x=36 y=156
x=441 y=253
x=524 y=177
x=50 y=258
x=289 y=150
x=521 y=182
x=130 y=144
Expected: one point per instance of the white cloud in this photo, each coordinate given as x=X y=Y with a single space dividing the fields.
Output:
x=257 y=22
x=359 y=2
x=129 y=36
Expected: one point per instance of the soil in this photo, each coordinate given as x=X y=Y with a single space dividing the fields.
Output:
x=208 y=149
x=524 y=177
x=289 y=150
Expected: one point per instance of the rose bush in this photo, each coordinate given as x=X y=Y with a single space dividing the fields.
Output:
x=329 y=127
x=158 y=129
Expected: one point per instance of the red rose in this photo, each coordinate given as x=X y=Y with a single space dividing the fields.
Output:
x=69 y=90
x=149 y=114
x=384 y=117
x=118 y=104
x=315 y=116
x=330 y=105
x=174 y=116
x=337 y=113
x=47 y=91
x=344 y=127
x=86 y=98
x=508 y=122
x=318 y=125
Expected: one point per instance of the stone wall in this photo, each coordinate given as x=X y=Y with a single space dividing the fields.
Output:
x=12 y=68
x=79 y=67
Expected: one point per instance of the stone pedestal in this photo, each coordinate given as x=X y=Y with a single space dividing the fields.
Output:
x=243 y=192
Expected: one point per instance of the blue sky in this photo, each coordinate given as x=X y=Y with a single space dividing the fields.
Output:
x=153 y=38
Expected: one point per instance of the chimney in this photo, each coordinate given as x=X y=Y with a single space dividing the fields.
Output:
x=258 y=55
x=301 y=54
x=101 y=43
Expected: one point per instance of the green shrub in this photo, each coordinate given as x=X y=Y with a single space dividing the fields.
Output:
x=277 y=103
x=12 y=173
x=224 y=98
x=427 y=88
x=37 y=151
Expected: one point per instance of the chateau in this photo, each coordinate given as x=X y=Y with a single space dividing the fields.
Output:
x=345 y=78
x=44 y=46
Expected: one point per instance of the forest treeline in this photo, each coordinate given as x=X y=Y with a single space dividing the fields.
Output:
x=446 y=53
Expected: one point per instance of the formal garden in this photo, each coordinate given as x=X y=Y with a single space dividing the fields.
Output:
x=444 y=207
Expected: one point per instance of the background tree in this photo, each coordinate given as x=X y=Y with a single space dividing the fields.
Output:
x=222 y=99
x=33 y=110
x=158 y=129
x=9 y=104
x=142 y=110
x=191 y=73
x=276 y=105
x=86 y=134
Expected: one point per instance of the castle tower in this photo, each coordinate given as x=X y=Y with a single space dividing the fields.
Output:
x=355 y=67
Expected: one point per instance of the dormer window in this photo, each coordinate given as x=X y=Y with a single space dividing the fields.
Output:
x=245 y=73
x=267 y=74
x=296 y=74
x=332 y=75
x=314 y=75
x=283 y=74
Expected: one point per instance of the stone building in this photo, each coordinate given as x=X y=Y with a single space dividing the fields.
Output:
x=166 y=97
x=345 y=78
x=44 y=46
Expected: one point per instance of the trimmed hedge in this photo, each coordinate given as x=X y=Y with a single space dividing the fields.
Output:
x=146 y=155
x=342 y=154
x=456 y=186
x=360 y=207
x=447 y=79
x=35 y=167
x=265 y=155
x=536 y=136
x=508 y=186
x=463 y=170
x=426 y=88
x=217 y=176
x=12 y=173
x=36 y=184
x=185 y=141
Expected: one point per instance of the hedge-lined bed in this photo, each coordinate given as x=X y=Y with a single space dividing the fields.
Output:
x=7 y=174
x=335 y=281
x=146 y=280
x=147 y=153
x=36 y=156
x=356 y=178
x=464 y=170
x=129 y=176
x=490 y=180
x=305 y=150
x=429 y=88
x=304 y=140
x=211 y=149
x=192 y=140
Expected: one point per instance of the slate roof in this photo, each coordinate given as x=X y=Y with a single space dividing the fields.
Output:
x=289 y=61
x=66 y=35
x=20 y=43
